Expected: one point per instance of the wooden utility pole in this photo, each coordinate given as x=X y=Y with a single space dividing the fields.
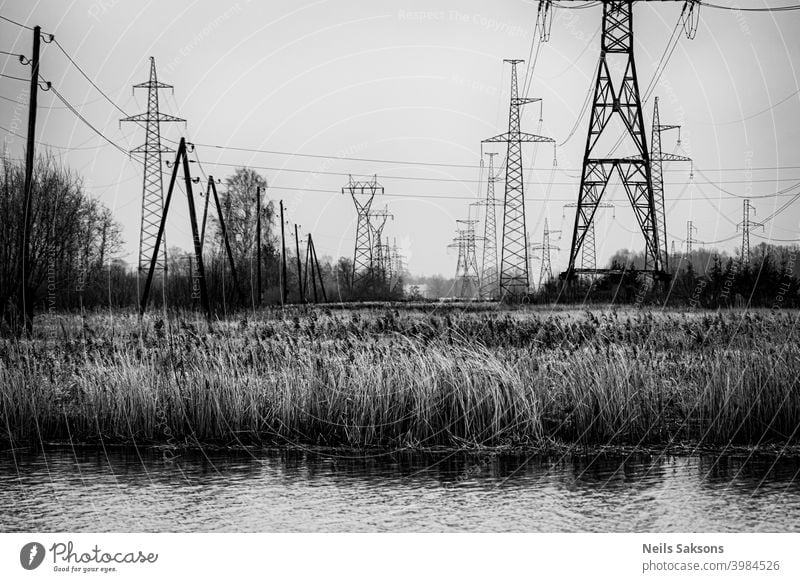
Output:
x=25 y=299
x=299 y=265
x=283 y=259
x=319 y=273
x=258 y=243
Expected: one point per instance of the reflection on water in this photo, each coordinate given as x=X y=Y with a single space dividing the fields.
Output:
x=63 y=489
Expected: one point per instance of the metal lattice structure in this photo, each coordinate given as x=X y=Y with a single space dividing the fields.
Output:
x=616 y=97
x=746 y=225
x=589 y=248
x=152 y=188
x=363 y=193
x=657 y=157
x=490 y=281
x=691 y=229
x=467 y=285
x=546 y=268
x=380 y=251
x=514 y=276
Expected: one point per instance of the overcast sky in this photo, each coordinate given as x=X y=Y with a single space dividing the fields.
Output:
x=424 y=82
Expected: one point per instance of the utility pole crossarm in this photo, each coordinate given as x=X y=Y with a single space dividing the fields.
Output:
x=523 y=137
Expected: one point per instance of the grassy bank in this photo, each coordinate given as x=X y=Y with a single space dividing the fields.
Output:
x=387 y=378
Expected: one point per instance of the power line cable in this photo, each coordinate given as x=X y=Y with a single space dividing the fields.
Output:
x=15 y=22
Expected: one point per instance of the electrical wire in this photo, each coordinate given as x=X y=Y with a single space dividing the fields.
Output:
x=15 y=22
x=762 y=9
x=85 y=121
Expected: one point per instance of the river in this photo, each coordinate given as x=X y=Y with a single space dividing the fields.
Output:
x=278 y=490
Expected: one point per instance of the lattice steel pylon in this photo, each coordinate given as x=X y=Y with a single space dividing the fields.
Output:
x=514 y=276
x=617 y=98
x=490 y=282
x=377 y=222
x=746 y=225
x=589 y=248
x=362 y=255
x=152 y=189
x=691 y=229
x=657 y=157
x=467 y=285
x=546 y=268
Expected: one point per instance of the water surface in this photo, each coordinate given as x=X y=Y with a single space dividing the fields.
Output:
x=130 y=490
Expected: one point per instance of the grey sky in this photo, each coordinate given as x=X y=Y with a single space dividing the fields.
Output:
x=412 y=81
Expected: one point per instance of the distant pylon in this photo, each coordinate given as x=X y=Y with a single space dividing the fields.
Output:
x=490 y=287
x=363 y=193
x=514 y=276
x=656 y=159
x=152 y=189
x=399 y=267
x=589 y=248
x=746 y=225
x=467 y=280
x=377 y=222
x=691 y=230
x=546 y=269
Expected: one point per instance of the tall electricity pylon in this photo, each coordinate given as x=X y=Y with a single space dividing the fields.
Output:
x=152 y=189
x=691 y=230
x=546 y=268
x=589 y=248
x=657 y=157
x=490 y=288
x=363 y=193
x=377 y=222
x=746 y=225
x=467 y=279
x=617 y=97
x=514 y=276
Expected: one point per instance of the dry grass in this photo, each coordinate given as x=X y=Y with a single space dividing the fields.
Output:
x=390 y=379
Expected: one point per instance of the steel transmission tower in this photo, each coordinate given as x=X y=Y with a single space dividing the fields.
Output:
x=363 y=193
x=746 y=225
x=152 y=189
x=489 y=275
x=589 y=248
x=691 y=230
x=617 y=97
x=657 y=157
x=546 y=268
x=467 y=280
x=514 y=276
x=380 y=254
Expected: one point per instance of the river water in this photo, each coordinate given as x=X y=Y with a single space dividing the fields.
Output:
x=130 y=490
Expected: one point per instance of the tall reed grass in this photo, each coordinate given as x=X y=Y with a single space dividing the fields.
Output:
x=385 y=378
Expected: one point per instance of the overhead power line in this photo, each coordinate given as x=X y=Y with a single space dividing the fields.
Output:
x=25 y=26
x=761 y=9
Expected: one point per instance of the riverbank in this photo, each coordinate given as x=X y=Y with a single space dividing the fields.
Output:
x=392 y=379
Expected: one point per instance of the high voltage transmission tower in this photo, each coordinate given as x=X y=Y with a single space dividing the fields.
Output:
x=746 y=225
x=363 y=193
x=589 y=248
x=467 y=279
x=691 y=230
x=514 y=276
x=546 y=268
x=489 y=276
x=616 y=97
x=377 y=222
x=398 y=264
x=152 y=189
x=657 y=157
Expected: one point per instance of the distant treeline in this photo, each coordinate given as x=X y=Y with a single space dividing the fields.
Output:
x=706 y=279
x=74 y=240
